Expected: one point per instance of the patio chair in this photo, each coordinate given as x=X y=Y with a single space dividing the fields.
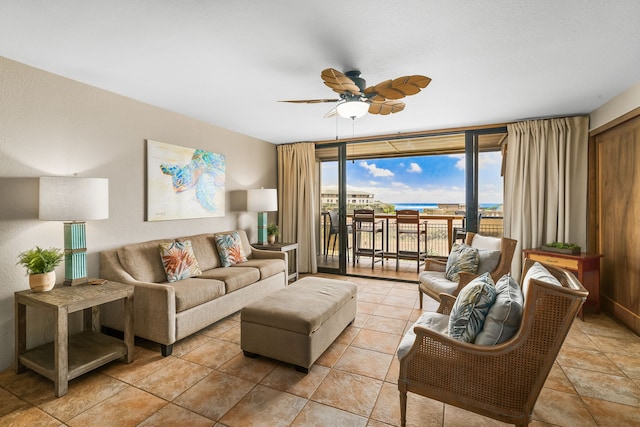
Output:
x=433 y=282
x=365 y=231
x=460 y=233
x=408 y=224
x=501 y=381
x=334 y=230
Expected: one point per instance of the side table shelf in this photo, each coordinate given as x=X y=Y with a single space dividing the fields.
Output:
x=70 y=356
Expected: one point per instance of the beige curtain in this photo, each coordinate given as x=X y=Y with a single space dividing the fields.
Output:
x=296 y=201
x=545 y=196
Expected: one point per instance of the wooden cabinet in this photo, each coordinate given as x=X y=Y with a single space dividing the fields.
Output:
x=586 y=268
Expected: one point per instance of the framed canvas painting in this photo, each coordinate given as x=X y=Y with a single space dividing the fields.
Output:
x=183 y=182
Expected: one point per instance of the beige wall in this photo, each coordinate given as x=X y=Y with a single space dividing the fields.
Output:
x=50 y=125
x=616 y=107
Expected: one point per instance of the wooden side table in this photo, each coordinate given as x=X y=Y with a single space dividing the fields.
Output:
x=283 y=247
x=68 y=357
x=585 y=266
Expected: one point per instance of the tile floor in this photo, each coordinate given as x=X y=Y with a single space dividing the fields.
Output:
x=208 y=382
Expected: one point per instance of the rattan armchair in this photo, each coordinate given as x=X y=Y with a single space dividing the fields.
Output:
x=502 y=381
x=433 y=282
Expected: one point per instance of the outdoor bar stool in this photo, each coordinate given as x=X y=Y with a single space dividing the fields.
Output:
x=409 y=229
x=365 y=231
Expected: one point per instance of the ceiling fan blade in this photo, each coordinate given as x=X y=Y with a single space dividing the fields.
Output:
x=338 y=82
x=331 y=113
x=311 y=101
x=386 y=107
x=397 y=88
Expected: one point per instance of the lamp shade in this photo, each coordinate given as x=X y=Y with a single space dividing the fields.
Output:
x=352 y=109
x=73 y=199
x=262 y=200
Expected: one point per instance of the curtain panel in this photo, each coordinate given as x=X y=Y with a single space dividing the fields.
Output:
x=545 y=195
x=296 y=202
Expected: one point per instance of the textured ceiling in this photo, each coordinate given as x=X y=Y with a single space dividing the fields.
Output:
x=229 y=62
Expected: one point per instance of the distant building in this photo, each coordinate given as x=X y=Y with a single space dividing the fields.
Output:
x=329 y=199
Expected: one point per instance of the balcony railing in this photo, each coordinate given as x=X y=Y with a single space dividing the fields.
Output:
x=439 y=233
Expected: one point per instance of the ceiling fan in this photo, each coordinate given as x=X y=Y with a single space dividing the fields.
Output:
x=355 y=101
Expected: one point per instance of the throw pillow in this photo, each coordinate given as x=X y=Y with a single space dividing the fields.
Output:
x=471 y=307
x=538 y=272
x=462 y=258
x=505 y=315
x=178 y=260
x=488 y=261
x=230 y=249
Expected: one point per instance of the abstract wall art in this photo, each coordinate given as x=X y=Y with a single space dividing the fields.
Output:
x=183 y=182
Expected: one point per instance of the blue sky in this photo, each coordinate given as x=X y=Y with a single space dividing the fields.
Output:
x=424 y=179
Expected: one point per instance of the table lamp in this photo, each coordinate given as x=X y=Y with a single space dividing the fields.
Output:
x=262 y=200
x=74 y=200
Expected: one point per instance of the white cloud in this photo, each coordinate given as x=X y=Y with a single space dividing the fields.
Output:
x=376 y=171
x=414 y=167
x=399 y=184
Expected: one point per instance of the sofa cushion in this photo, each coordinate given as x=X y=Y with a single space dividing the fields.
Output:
x=431 y=320
x=471 y=307
x=142 y=262
x=267 y=267
x=195 y=291
x=178 y=260
x=462 y=258
x=204 y=248
x=230 y=248
x=233 y=278
x=505 y=315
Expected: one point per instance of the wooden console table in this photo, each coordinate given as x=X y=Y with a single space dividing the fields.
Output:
x=283 y=247
x=585 y=266
x=68 y=357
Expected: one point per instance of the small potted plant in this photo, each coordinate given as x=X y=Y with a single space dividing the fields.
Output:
x=272 y=233
x=40 y=264
x=562 y=248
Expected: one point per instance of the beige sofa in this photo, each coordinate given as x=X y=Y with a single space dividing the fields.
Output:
x=167 y=312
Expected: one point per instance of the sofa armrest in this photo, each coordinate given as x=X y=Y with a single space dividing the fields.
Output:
x=154 y=303
x=265 y=254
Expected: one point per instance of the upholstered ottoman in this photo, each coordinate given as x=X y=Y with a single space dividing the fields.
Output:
x=298 y=323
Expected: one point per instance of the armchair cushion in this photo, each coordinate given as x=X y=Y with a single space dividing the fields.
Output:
x=462 y=258
x=505 y=315
x=471 y=307
x=487 y=260
x=436 y=282
x=538 y=272
x=431 y=320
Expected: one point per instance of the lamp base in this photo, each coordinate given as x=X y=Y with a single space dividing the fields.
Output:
x=75 y=254
x=262 y=228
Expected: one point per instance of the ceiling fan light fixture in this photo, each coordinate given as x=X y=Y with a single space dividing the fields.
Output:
x=352 y=109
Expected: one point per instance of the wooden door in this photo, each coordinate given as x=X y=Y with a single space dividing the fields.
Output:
x=618 y=181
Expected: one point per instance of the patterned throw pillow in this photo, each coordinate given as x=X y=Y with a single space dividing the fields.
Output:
x=230 y=249
x=505 y=315
x=471 y=307
x=178 y=260
x=462 y=258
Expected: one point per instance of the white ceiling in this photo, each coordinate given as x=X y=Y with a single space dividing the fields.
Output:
x=229 y=62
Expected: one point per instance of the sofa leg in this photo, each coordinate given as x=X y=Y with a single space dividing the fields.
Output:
x=403 y=408
x=249 y=354
x=166 y=349
x=302 y=369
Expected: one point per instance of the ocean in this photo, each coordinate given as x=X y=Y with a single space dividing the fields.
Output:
x=420 y=206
